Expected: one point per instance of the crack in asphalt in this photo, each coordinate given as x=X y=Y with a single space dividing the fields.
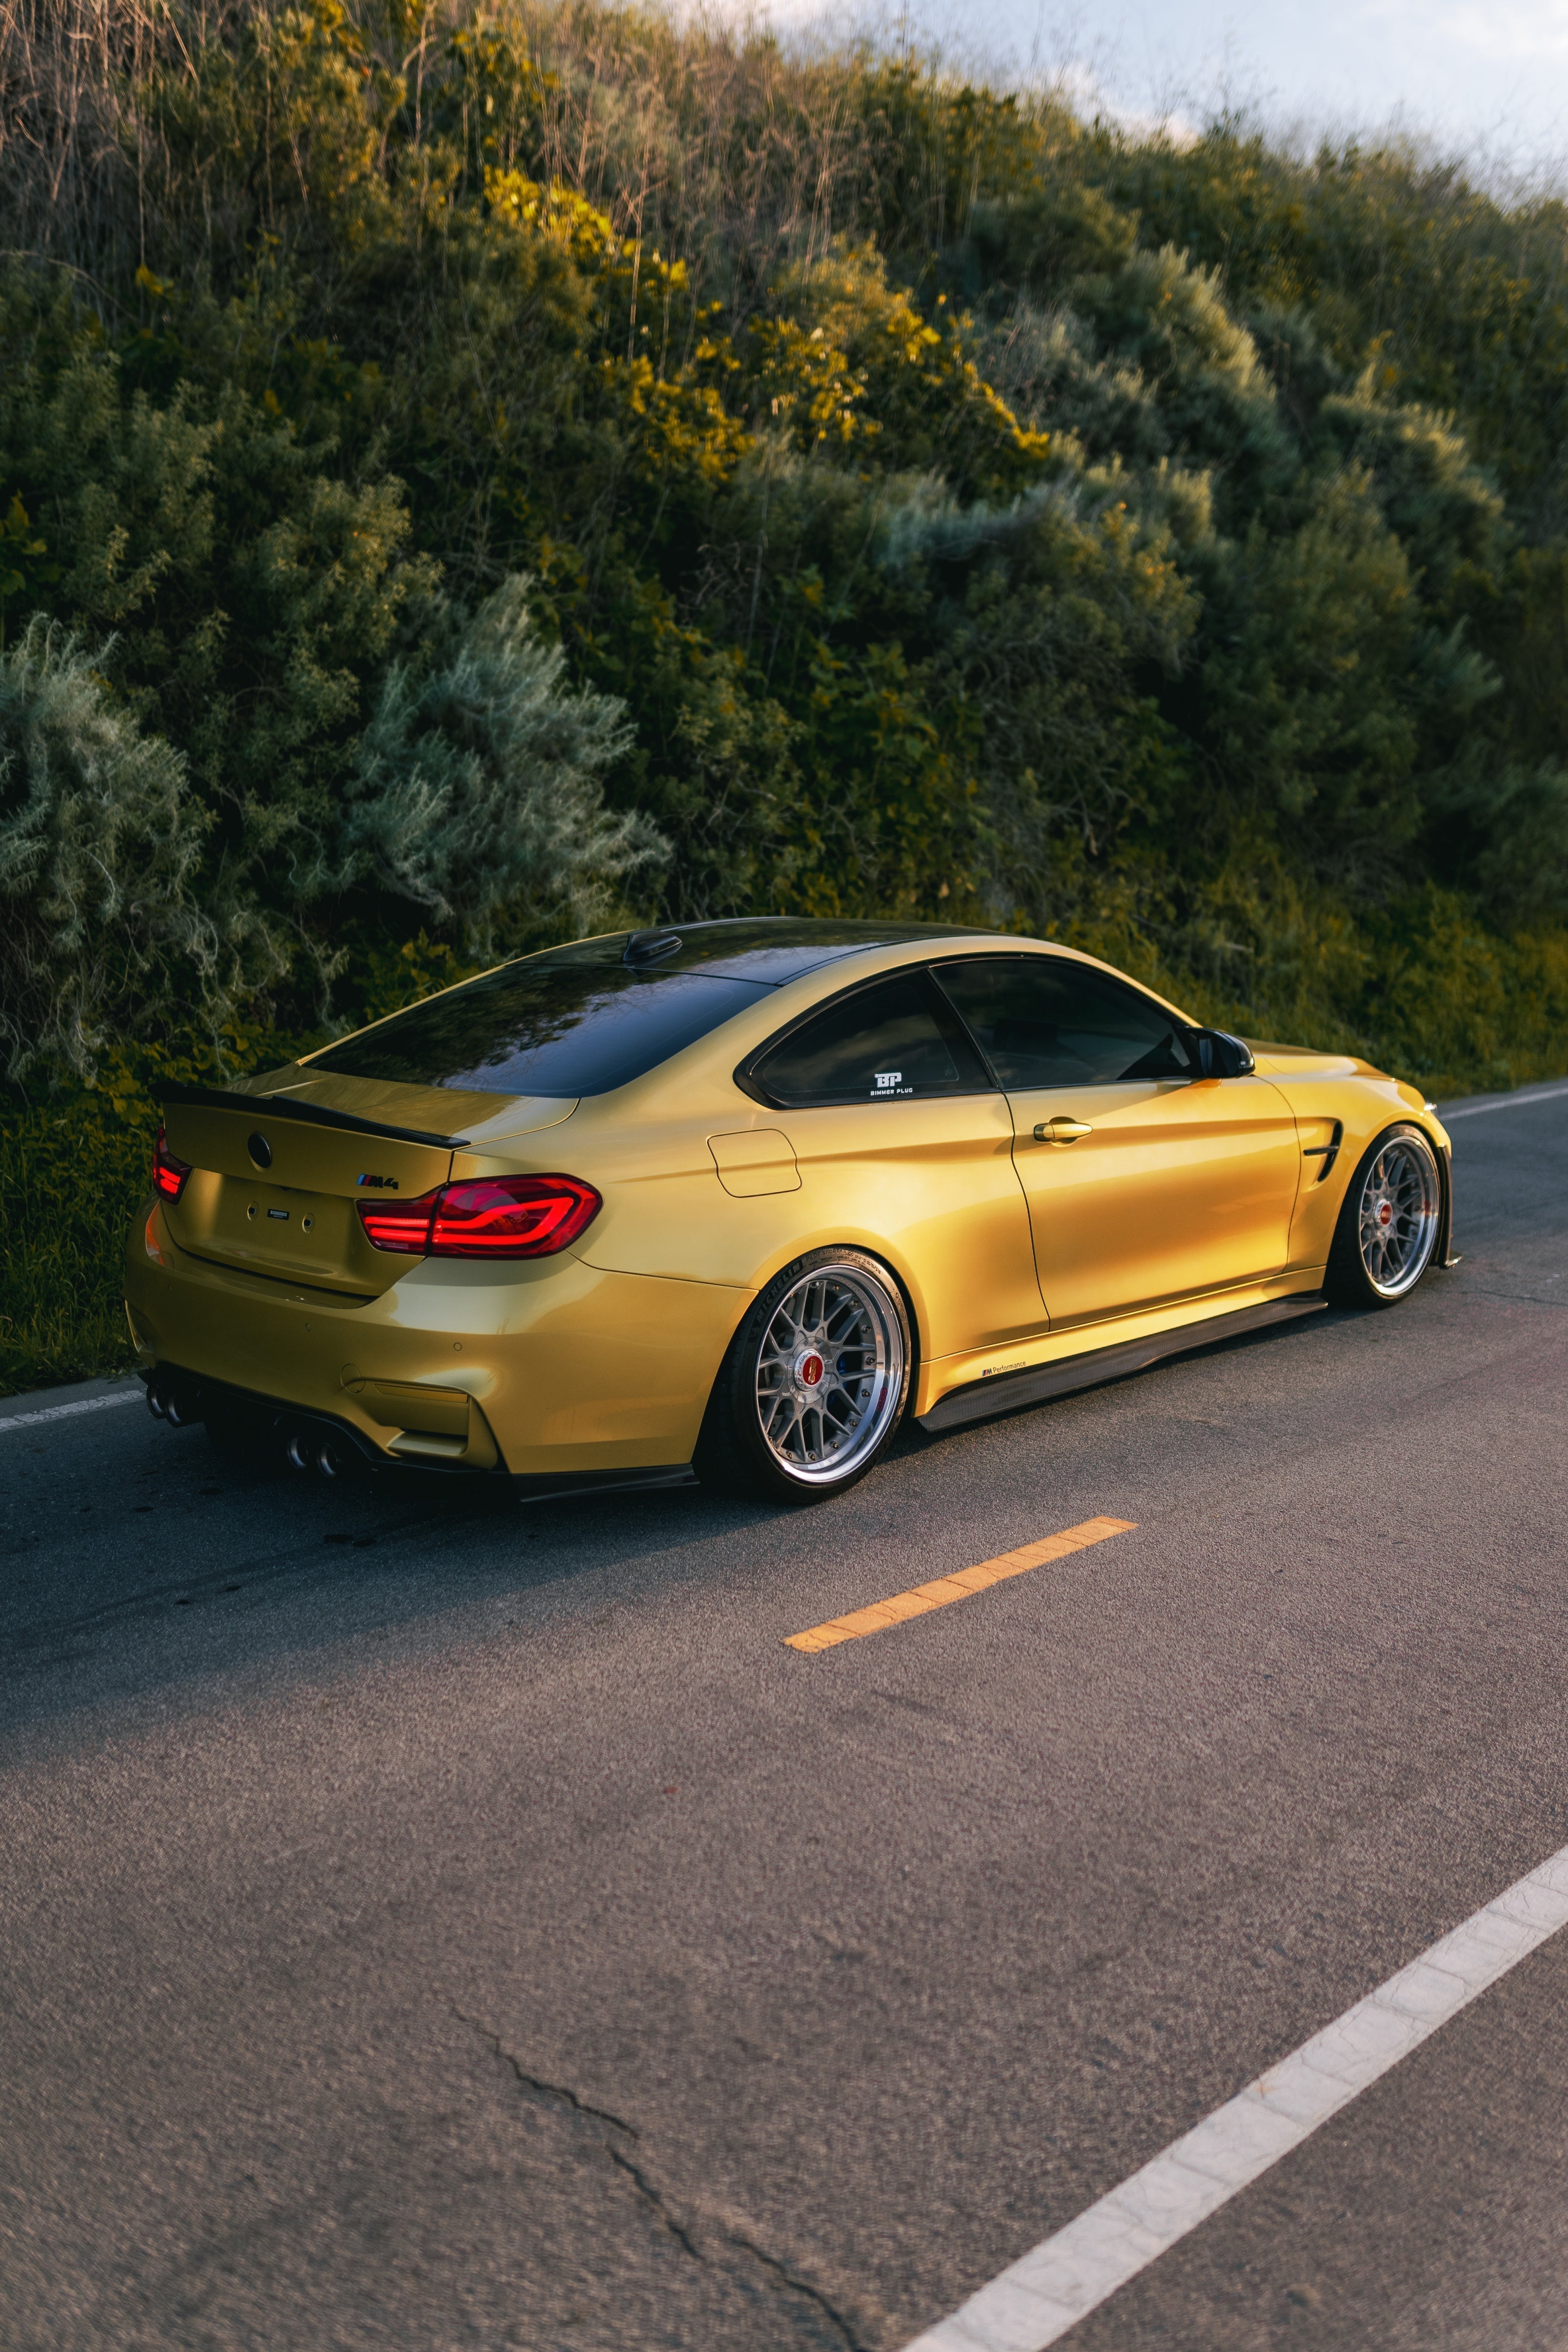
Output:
x=536 y=2083
x=653 y=2197
x=829 y=2311
x=656 y=2202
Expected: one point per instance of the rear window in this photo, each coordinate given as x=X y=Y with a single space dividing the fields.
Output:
x=575 y=1021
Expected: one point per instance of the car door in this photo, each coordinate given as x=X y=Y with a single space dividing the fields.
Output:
x=902 y=1136
x=1146 y=1182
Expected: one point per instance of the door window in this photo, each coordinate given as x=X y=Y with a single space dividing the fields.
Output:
x=887 y=1043
x=1045 y=1022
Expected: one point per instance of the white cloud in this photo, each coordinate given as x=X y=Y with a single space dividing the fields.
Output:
x=1530 y=34
x=1456 y=76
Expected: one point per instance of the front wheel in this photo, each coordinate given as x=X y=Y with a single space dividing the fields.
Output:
x=1389 y=1224
x=814 y=1382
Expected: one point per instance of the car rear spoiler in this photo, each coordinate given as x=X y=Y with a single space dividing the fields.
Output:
x=311 y=1114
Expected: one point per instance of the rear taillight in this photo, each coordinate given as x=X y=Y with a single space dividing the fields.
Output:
x=400 y=1224
x=511 y=1216
x=169 y=1174
x=489 y=1216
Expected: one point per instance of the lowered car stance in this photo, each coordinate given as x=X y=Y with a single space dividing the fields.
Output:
x=734 y=1199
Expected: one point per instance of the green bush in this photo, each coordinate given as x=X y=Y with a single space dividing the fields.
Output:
x=927 y=503
x=476 y=790
x=75 y=1164
x=100 y=841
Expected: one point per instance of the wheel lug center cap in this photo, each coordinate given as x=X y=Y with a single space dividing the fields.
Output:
x=1385 y=1213
x=809 y=1368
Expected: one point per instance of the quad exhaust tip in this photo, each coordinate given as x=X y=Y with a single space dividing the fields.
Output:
x=305 y=1451
x=181 y=1403
x=173 y=1401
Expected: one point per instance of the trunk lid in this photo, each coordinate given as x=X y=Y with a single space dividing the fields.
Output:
x=280 y=1163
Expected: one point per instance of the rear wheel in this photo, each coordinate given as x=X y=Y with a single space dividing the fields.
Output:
x=814 y=1384
x=1388 y=1225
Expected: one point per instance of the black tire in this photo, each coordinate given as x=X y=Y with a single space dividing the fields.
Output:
x=1386 y=1238
x=814 y=1384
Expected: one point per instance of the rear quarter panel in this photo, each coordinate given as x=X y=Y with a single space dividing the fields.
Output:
x=930 y=1189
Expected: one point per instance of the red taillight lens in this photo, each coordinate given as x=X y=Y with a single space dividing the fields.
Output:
x=400 y=1224
x=511 y=1216
x=169 y=1174
x=489 y=1216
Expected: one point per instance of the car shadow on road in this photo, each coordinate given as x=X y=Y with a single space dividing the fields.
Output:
x=144 y=1563
x=139 y=1561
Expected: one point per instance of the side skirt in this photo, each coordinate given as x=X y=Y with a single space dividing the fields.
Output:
x=978 y=1399
x=554 y=1486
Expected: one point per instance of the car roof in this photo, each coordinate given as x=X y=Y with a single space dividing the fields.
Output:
x=767 y=950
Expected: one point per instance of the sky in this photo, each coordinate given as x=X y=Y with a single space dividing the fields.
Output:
x=1489 y=82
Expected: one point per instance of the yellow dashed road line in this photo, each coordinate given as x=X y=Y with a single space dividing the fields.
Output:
x=944 y=1589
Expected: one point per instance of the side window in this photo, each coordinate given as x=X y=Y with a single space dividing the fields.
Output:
x=1044 y=1023
x=884 y=1043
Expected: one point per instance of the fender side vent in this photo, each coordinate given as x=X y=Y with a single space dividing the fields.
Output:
x=1326 y=1152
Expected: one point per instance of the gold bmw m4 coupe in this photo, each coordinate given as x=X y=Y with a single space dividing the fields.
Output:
x=732 y=1200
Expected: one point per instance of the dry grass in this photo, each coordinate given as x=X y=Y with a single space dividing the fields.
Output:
x=713 y=143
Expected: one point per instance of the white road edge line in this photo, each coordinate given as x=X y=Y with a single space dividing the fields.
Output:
x=1037 y=2298
x=62 y=1412
x=1510 y=1102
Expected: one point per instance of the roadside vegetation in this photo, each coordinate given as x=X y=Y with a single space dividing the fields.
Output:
x=468 y=477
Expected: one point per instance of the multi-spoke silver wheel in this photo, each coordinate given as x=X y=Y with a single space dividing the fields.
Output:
x=1397 y=1214
x=829 y=1373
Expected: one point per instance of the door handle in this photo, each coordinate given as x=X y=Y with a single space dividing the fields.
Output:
x=1061 y=1131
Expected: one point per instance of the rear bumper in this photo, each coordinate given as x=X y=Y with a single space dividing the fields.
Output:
x=554 y=1369
x=274 y=1425
x=296 y=1430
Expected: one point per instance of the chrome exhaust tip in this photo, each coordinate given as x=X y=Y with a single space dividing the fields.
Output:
x=176 y=1401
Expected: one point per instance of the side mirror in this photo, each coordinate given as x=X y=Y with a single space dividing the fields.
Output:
x=1218 y=1054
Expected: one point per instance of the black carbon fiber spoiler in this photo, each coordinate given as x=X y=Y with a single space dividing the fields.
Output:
x=308 y=1113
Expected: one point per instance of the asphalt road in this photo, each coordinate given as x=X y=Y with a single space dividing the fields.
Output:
x=430 y=1922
